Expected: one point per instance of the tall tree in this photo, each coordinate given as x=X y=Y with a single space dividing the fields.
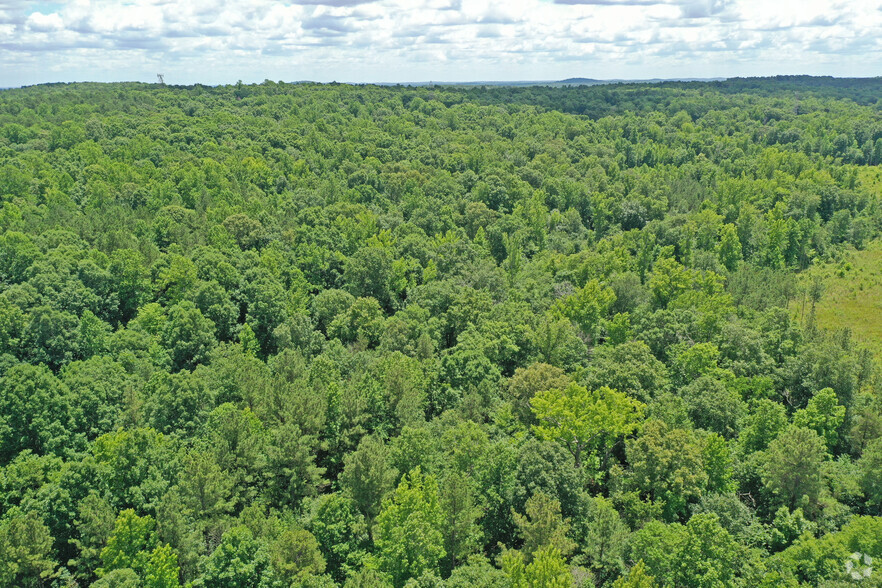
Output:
x=462 y=534
x=585 y=420
x=135 y=545
x=367 y=476
x=25 y=550
x=409 y=537
x=542 y=525
x=791 y=471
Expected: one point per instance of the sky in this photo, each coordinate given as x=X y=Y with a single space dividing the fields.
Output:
x=223 y=41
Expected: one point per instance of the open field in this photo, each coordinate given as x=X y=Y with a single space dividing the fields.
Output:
x=852 y=296
x=852 y=292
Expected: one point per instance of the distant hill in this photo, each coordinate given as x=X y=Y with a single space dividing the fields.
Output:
x=581 y=81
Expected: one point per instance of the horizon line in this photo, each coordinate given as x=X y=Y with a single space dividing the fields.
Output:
x=576 y=80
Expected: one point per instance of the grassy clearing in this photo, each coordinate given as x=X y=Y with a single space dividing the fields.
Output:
x=852 y=293
x=852 y=296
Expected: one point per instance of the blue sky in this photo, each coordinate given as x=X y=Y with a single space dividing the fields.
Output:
x=221 y=41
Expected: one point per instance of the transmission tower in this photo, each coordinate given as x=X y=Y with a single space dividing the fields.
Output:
x=160 y=80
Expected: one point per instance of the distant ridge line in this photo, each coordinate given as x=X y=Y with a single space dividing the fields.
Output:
x=567 y=82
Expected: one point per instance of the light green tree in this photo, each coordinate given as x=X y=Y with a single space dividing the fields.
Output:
x=587 y=306
x=668 y=280
x=667 y=466
x=409 y=537
x=824 y=415
x=341 y=533
x=870 y=465
x=187 y=335
x=759 y=428
x=526 y=382
x=95 y=523
x=547 y=569
x=206 y=490
x=729 y=249
x=635 y=578
x=603 y=540
x=701 y=553
x=238 y=562
x=584 y=420
x=134 y=544
x=295 y=554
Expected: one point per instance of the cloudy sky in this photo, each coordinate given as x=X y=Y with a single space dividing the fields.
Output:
x=221 y=41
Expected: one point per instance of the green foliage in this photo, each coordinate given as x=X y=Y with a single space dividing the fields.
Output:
x=25 y=550
x=823 y=415
x=97 y=387
x=789 y=526
x=409 y=535
x=462 y=535
x=134 y=545
x=95 y=523
x=294 y=555
x=34 y=412
x=176 y=402
x=701 y=553
x=205 y=489
x=231 y=317
x=237 y=562
x=635 y=578
x=587 y=306
x=188 y=335
x=602 y=540
x=547 y=568
x=792 y=467
x=341 y=533
x=122 y=578
x=132 y=465
x=814 y=560
x=629 y=368
x=544 y=466
x=669 y=280
x=368 y=476
x=767 y=420
x=714 y=406
x=729 y=248
x=290 y=466
x=542 y=526
x=583 y=420
x=525 y=383
x=477 y=573
x=871 y=474
x=667 y=466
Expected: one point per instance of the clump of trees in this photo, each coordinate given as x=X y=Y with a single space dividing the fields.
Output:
x=324 y=335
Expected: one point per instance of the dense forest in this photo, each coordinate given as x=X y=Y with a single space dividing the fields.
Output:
x=326 y=335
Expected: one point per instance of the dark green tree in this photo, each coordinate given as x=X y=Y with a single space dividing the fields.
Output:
x=368 y=476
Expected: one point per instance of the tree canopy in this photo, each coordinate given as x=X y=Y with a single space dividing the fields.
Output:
x=329 y=335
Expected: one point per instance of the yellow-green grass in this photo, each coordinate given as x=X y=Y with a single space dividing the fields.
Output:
x=870 y=177
x=852 y=296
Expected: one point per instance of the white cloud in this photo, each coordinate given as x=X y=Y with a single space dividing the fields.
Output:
x=39 y=22
x=216 y=41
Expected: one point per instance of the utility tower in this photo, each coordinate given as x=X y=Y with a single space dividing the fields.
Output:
x=160 y=80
